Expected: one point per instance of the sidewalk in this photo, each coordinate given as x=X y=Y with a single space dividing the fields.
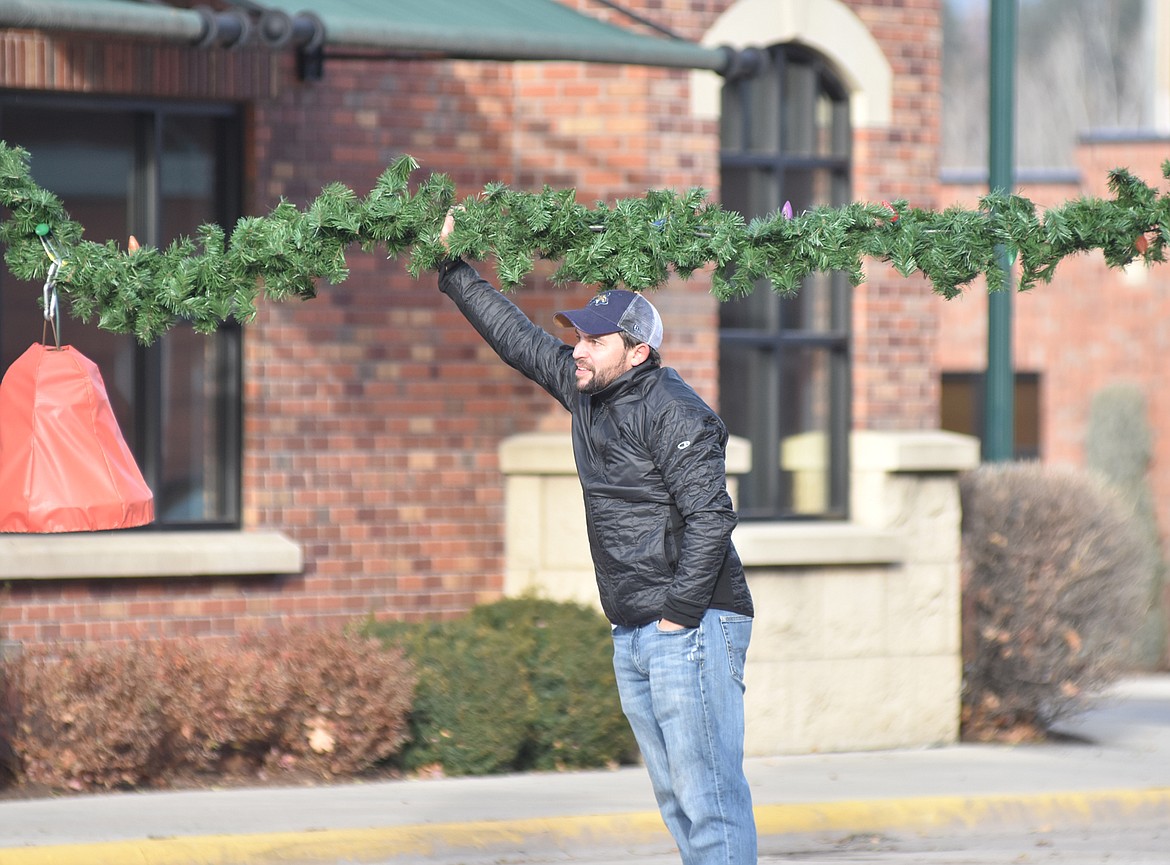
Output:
x=1116 y=768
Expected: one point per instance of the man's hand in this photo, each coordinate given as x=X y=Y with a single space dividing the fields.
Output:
x=667 y=625
x=448 y=227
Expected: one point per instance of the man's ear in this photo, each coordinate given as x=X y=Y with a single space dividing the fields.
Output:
x=639 y=354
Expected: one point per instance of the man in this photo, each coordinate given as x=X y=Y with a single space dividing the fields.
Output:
x=651 y=458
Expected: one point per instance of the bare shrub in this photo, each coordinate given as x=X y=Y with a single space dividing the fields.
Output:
x=1053 y=584
x=156 y=713
x=228 y=710
x=350 y=699
x=89 y=719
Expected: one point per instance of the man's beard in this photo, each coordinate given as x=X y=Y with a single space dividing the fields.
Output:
x=600 y=380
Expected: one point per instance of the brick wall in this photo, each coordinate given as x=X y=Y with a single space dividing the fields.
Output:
x=895 y=319
x=96 y=610
x=371 y=413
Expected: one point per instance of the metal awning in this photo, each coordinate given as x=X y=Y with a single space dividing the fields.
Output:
x=457 y=29
x=499 y=29
x=122 y=18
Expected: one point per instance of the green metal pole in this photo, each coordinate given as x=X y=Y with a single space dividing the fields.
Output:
x=999 y=382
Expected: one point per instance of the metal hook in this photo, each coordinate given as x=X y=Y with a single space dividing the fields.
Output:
x=52 y=307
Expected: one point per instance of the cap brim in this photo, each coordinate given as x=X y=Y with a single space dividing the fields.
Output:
x=586 y=321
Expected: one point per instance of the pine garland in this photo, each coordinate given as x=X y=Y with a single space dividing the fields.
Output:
x=636 y=243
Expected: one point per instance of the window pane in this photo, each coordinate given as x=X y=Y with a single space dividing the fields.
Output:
x=199 y=373
x=841 y=142
x=90 y=167
x=731 y=119
x=799 y=110
x=198 y=427
x=754 y=190
x=1027 y=416
x=805 y=411
x=758 y=311
x=746 y=372
x=962 y=409
x=792 y=443
x=811 y=308
x=807 y=188
x=960 y=403
x=763 y=106
x=189 y=175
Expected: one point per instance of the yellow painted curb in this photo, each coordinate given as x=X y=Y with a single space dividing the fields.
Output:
x=962 y=812
x=350 y=845
x=1041 y=810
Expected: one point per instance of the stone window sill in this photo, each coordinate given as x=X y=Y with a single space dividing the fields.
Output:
x=114 y=555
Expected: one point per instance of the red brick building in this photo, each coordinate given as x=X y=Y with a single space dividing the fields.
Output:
x=345 y=463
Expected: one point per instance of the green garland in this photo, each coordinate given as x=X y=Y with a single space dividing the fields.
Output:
x=637 y=243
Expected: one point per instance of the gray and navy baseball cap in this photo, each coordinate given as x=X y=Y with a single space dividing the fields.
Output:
x=614 y=311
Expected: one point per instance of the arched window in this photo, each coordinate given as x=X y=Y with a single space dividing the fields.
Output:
x=784 y=380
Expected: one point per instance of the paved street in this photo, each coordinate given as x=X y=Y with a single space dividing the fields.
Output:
x=1100 y=796
x=1142 y=844
x=1115 y=845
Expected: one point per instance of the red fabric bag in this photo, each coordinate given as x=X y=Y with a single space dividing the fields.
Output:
x=64 y=466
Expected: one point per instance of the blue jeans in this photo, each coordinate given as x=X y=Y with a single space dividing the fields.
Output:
x=682 y=692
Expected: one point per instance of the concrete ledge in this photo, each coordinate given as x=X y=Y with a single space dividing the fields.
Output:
x=120 y=554
x=913 y=451
x=762 y=545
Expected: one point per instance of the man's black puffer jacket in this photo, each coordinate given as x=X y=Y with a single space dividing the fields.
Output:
x=651 y=458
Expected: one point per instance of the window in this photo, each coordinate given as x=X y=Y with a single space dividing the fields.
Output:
x=963 y=409
x=784 y=378
x=157 y=172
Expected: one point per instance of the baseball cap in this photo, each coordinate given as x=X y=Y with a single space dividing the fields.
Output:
x=614 y=311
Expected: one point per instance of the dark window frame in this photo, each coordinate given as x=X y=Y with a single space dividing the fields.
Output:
x=785 y=344
x=145 y=218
